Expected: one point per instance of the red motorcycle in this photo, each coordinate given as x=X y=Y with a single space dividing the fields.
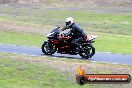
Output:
x=62 y=44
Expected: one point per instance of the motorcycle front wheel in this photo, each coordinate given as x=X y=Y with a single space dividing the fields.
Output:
x=48 y=49
x=87 y=51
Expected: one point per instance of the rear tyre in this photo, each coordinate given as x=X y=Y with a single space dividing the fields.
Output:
x=87 y=51
x=48 y=49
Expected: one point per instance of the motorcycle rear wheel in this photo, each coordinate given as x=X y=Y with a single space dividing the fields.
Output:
x=87 y=51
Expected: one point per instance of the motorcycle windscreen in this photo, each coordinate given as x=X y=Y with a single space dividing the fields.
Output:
x=53 y=33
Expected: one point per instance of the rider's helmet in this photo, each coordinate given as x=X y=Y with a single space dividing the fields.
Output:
x=69 y=21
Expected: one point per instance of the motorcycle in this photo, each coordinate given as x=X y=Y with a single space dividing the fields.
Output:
x=62 y=44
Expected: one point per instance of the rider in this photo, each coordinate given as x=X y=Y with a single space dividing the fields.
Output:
x=76 y=32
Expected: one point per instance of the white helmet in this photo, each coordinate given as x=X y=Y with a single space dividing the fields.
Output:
x=70 y=20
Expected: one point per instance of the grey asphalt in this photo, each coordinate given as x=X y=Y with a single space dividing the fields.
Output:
x=99 y=56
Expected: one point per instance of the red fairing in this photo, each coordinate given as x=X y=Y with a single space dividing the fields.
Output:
x=55 y=42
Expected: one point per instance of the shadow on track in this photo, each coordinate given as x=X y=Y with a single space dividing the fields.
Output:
x=66 y=56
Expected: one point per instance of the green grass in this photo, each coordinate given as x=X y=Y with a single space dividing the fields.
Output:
x=18 y=71
x=114 y=43
x=21 y=38
x=104 y=22
x=23 y=74
x=105 y=41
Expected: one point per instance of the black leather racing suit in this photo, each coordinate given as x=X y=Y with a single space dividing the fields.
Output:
x=77 y=34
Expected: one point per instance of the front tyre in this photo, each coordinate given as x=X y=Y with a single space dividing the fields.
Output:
x=87 y=51
x=48 y=49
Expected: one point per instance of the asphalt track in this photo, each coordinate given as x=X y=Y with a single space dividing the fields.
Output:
x=99 y=56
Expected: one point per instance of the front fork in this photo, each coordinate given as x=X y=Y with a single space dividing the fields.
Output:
x=93 y=50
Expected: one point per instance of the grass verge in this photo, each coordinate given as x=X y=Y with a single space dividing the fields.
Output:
x=44 y=72
x=17 y=73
